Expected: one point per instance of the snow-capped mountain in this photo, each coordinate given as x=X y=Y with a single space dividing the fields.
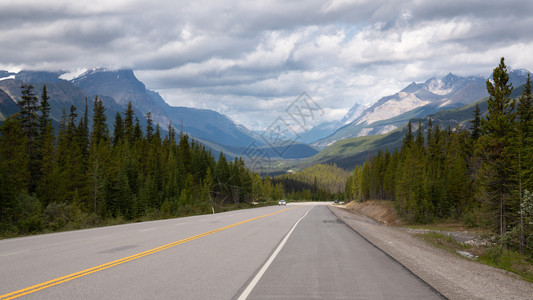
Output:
x=116 y=88
x=417 y=100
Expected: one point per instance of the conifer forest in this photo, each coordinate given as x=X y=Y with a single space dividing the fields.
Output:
x=83 y=177
x=482 y=175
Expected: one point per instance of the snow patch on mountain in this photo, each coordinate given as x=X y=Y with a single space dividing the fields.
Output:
x=401 y=103
x=8 y=77
x=355 y=112
x=74 y=74
x=438 y=87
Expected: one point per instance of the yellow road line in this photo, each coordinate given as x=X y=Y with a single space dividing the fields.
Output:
x=50 y=283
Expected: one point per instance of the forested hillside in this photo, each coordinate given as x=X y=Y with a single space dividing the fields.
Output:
x=319 y=183
x=90 y=176
x=482 y=175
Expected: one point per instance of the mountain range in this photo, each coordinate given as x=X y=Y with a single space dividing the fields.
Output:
x=219 y=133
x=414 y=101
x=116 y=88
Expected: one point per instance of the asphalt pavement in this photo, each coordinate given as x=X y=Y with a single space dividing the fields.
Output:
x=208 y=257
x=326 y=259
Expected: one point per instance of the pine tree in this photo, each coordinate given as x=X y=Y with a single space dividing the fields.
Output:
x=82 y=136
x=525 y=157
x=525 y=131
x=14 y=173
x=498 y=126
x=365 y=181
x=149 y=126
x=137 y=131
x=476 y=124
x=118 y=132
x=128 y=123
x=457 y=178
x=356 y=187
x=99 y=132
x=408 y=139
x=45 y=186
x=45 y=138
x=44 y=118
x=29 y=122
x=389 y=179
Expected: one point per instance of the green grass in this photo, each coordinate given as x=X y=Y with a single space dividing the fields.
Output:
x=443 y=241
x=508 y=260
x=452 y=226
x=494 y=256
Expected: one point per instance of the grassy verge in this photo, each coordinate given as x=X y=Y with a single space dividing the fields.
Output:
x=508 y=260
x=439 y=226
x=444 y=242
x=492 y=255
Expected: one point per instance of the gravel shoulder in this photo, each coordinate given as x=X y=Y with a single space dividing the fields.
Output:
x=453 y=276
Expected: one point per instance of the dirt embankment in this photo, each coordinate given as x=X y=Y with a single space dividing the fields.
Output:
x=380 y=210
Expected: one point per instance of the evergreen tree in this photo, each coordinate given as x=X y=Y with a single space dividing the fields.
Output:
x=99 y=132
x=29 y=122
x=476 y=124
x=149 y=126
x=45 y=136
x=408 y=140
x=82 y=136
x=45 y=186
x=525 y=157
x=171 y=133
x=356 y=187
x=118 y=132
x=496 y=144
x=128 y=123
x=137 y=131
x=389 y=179
x=525 y=134
x=365 y=181
x=14 y=173
x=44 y=118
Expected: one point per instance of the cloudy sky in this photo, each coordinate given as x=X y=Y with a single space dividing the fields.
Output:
x=251 y=59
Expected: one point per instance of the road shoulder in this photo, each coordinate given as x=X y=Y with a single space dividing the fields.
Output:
x=453 y=276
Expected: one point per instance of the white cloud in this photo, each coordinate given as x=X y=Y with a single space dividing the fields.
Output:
x=250 y=59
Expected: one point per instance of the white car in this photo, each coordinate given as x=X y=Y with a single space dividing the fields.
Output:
x=282 y=202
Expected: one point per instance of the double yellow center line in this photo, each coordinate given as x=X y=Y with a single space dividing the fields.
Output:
x=50 y=283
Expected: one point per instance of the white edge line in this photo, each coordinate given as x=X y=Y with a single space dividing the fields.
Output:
x=12 y=253
x=259 y=274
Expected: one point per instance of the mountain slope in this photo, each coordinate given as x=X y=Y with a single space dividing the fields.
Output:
x=415 y=101
x=123 y=87
x=327 y=128
x=116 y=89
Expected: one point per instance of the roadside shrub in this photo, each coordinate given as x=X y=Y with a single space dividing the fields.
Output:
x=28 y=214
x=57 y=215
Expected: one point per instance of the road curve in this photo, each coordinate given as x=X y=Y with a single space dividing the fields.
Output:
x=206 y=257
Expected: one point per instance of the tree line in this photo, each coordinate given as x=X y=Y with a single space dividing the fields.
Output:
x=83 y=176
x=483 y=175
x=317 y=183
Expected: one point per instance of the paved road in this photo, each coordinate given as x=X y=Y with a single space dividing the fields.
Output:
x=325 y=259
x=206 y=257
